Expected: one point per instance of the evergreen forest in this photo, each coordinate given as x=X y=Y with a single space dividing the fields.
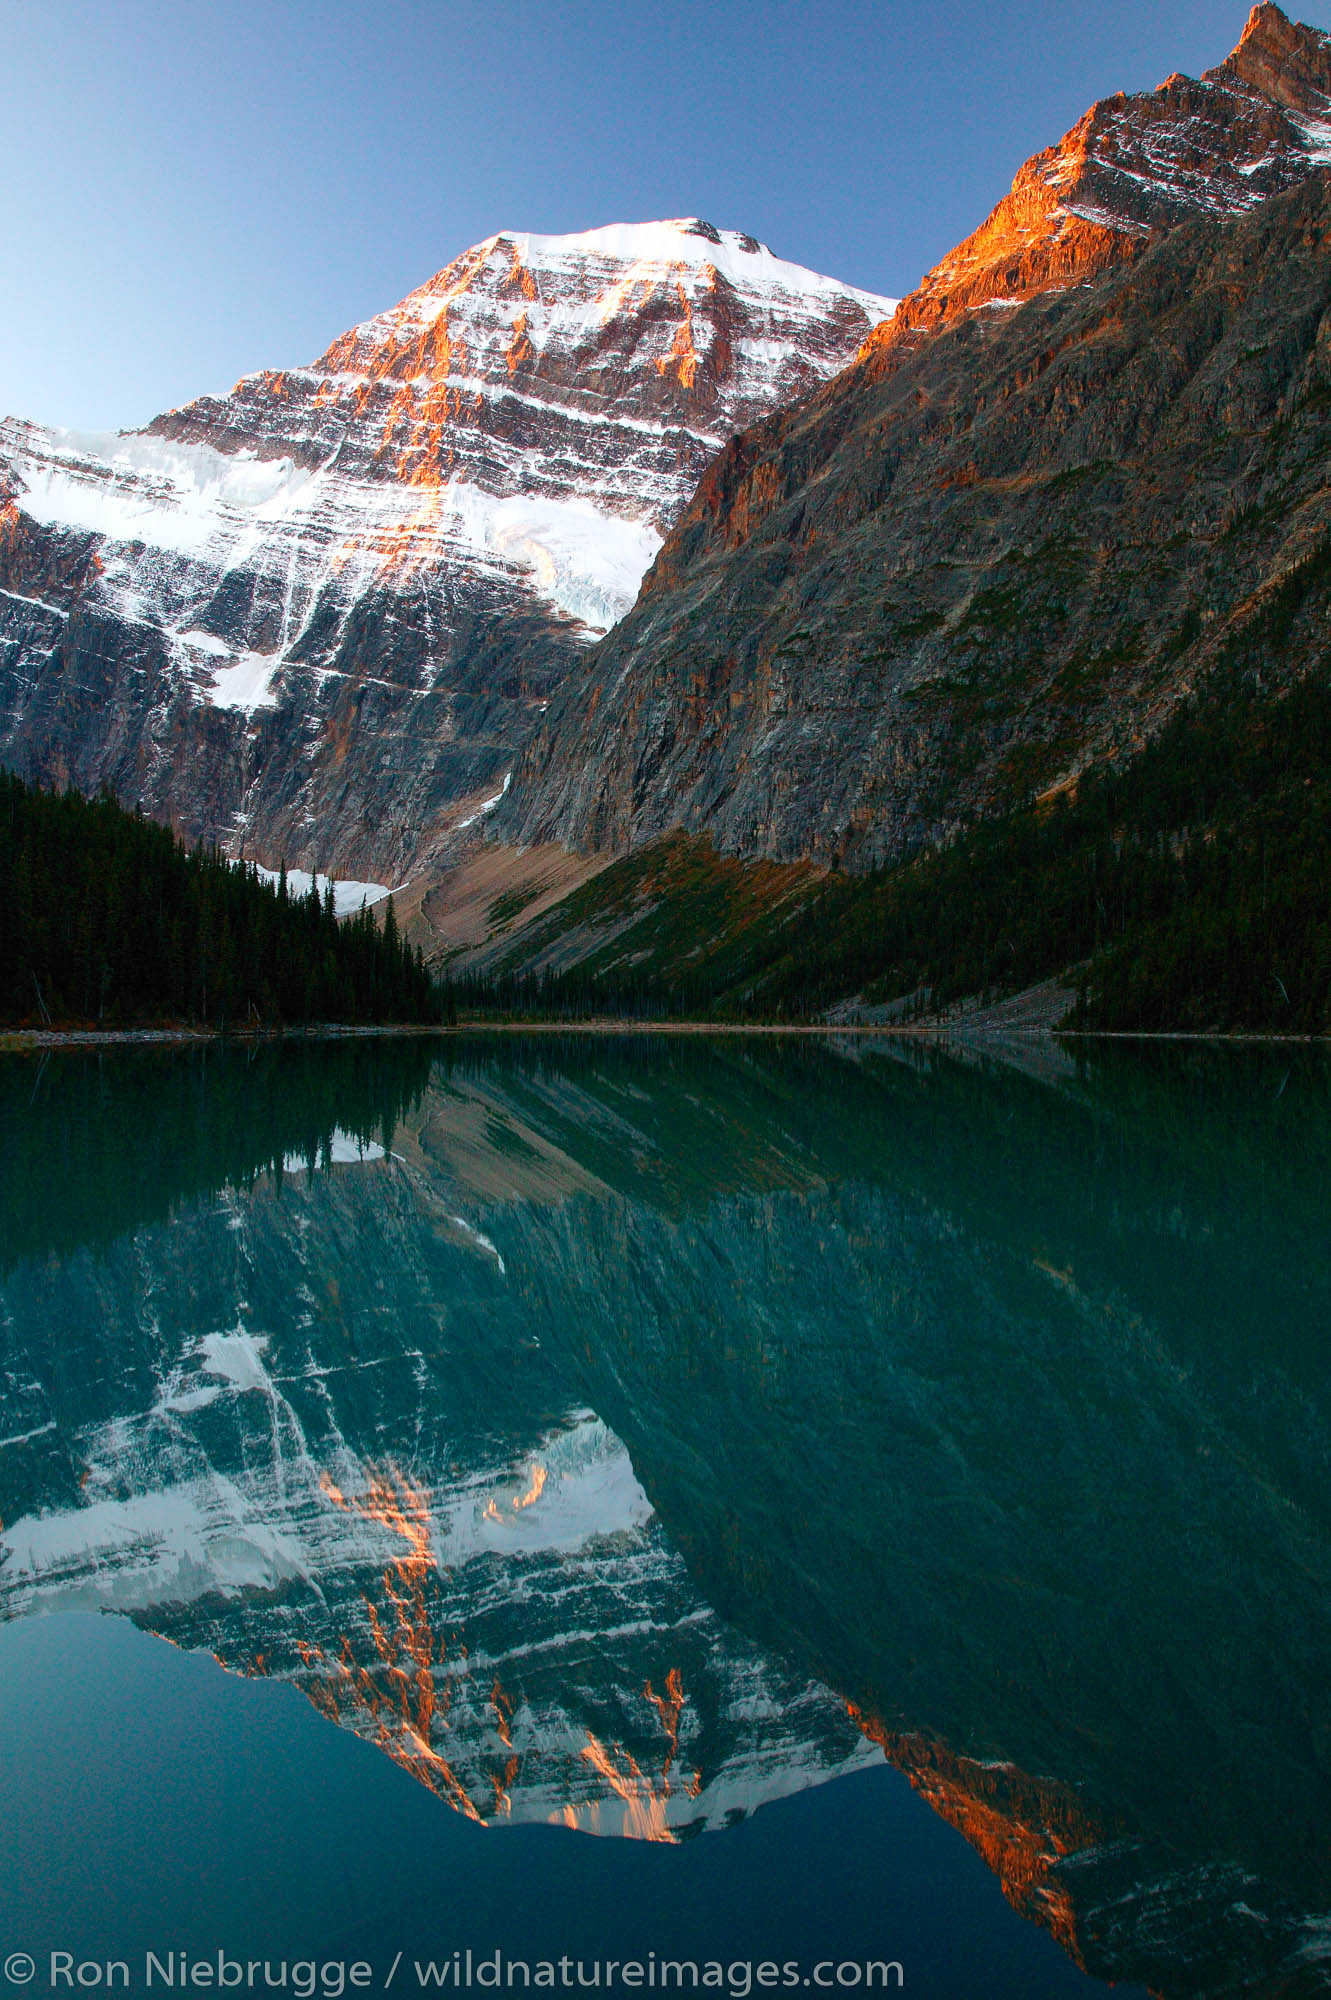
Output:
x=107 y=920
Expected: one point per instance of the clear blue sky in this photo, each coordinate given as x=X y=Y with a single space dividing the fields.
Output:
x=196 y=189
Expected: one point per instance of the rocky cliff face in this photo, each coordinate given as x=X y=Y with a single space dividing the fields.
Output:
x=1065 y=479
x=318 y=616
x=1133 y=167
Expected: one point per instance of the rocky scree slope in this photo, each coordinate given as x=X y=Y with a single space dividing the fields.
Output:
x=1011 y=535
x=316 y=617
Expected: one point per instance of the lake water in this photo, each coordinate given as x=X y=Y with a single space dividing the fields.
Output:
x=826 y=1507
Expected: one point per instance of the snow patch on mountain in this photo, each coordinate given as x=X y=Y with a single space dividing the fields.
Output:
x=190 y=501
x=581 y=560
x=486 y=805
x=343 y=1149
x=699 y=247
x=569 y=295
x=349 y=897
x=134 y=488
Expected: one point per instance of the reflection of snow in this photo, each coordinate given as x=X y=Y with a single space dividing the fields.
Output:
x=481 y=1242
x=237 y=1358
x=344 y=1149
x=206 y=1531
x=580 y=1485
x=544 y=1572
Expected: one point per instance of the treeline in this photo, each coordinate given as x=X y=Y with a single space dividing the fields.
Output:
x=106 y=919
x=1189 y=890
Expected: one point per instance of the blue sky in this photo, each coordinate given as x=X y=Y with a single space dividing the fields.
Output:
x=196 y=190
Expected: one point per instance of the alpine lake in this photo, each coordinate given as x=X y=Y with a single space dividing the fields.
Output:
x=666 y=1513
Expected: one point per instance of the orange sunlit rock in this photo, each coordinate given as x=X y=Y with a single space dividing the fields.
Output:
x=682 y=359
x=1021 y=1826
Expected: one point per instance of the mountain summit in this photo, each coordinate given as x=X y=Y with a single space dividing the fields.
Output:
x=1006 y=541
x=318 y=615
x=606 y=366
x=1135 y=166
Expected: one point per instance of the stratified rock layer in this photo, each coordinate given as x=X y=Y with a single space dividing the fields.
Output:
x=318 y=616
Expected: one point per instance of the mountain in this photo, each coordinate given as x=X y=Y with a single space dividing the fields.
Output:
x=1213 y=146
x=317 y=617
x=1048 y=499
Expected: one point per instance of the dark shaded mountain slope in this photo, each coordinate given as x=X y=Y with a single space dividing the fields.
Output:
x=1189 y=890
x=984 y=557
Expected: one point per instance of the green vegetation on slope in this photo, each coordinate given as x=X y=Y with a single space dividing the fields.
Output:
x=106 y=918
x=1190 y=889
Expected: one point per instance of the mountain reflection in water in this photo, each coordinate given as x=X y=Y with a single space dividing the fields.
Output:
x=626 y=1432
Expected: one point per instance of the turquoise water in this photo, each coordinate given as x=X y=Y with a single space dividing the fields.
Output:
x=735 y=1500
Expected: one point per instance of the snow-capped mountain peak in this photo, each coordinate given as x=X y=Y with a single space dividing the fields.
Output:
x=407 y=541
x=606 y=365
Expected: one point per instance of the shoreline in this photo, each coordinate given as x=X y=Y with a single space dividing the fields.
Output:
x=16 y=1041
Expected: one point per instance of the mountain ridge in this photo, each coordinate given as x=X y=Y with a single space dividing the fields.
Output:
x=315 y=619
x=959 y=572
x=1134 y=165
x=997 y=547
